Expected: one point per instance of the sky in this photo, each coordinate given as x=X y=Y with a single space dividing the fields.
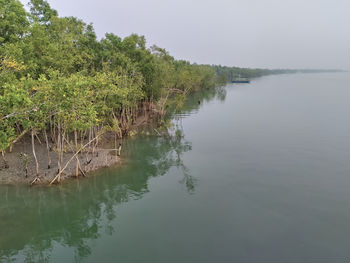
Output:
x=245 y=33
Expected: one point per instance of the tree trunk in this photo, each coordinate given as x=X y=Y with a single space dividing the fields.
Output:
x=34 y=154
x=62 y=151
x=48 y=150
x=92 y=145
x=96 y=141
x=52 y=132
x=115 y=147
x=119 y=149
x=88 y=148
x=59 y=147
x=76 y=149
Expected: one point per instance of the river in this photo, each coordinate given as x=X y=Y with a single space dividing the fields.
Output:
x=255 y=172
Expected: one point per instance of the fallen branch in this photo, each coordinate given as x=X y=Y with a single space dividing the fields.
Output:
x=81 y=148
x=81 y=170
x=36 y=179
x=77 y=158
x=157 y=132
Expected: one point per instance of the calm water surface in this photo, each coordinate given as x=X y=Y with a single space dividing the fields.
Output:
x=262 y=174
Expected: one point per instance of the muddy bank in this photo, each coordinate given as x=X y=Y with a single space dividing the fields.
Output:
x=16 y=171
x=20 y=163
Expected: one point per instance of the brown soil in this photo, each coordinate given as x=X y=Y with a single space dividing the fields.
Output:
x=15 y=172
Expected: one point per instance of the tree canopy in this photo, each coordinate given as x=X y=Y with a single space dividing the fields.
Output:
x=57 y=78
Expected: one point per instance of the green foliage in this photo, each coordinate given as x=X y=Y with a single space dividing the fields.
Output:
x=41 y=11
x=56 y=76
x=13 y=21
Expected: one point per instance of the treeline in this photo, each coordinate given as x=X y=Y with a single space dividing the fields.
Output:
x=227 y=74
x=61 y=85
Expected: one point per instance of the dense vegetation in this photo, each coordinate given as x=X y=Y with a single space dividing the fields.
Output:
x=58 y=82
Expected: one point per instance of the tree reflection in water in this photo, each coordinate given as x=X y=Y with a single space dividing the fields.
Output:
x=36 y=221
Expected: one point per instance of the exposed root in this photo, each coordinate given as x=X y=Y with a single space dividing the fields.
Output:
x=36 y=180
x=57 y=177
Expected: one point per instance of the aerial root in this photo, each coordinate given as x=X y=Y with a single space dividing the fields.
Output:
x=36 y=180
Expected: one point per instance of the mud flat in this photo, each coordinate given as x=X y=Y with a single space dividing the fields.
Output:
x=15 y=170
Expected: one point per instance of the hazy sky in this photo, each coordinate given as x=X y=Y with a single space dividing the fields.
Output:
x=251 y=33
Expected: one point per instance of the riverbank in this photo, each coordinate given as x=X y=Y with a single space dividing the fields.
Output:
x=105 y=154
x=20 y=166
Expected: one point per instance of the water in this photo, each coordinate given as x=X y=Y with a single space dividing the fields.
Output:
x=262 y=174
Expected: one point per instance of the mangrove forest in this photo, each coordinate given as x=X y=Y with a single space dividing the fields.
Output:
x=62 y=87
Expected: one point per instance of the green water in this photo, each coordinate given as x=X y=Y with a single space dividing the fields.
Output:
x=262 y=174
